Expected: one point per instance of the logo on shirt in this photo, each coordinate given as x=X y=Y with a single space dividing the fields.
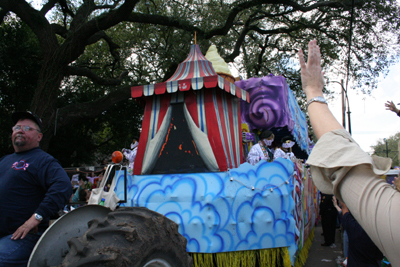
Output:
x=20 y=165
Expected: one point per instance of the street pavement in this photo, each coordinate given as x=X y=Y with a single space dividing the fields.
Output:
x=324 y=256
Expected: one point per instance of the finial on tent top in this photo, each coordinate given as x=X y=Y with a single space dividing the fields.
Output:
x=195 y=37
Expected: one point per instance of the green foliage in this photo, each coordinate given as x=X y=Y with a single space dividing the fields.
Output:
x=91 y=141
x=20 y=61
x=83 y=142
x=391 y=150
x=272 y=36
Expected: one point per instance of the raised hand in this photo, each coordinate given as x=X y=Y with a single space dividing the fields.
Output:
x=391 y=106
x=311 y=72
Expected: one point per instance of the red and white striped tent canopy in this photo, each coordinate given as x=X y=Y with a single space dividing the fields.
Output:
x=208 y=135
x=195 y=73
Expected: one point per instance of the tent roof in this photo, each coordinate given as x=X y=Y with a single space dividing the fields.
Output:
x=194 y=66
x=195 y=73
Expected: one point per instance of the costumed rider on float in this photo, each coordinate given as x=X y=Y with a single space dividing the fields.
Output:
x=130 y=154
x=285 y=150
x=262 y=150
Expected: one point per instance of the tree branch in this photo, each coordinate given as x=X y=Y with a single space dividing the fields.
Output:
x=106 y=20
x=260 y=56
x=164 y=21
x=238 y=44
x=246 y=5
x=65 y=9
x=82 y=14
x=116 y=2
x=60 y=30
x=102 y=35
x=73 y=70
x=333 y=4
x=47 y=7
x=35 y=20
x=89 y=110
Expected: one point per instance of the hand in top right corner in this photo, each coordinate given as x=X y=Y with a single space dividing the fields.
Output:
x=391 y=106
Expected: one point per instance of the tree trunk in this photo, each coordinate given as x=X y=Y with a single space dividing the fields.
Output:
x=46 y=94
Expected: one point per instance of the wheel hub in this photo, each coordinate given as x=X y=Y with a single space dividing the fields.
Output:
x=157 y=263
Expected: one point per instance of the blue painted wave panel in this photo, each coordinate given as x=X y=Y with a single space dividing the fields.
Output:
x=250 y=207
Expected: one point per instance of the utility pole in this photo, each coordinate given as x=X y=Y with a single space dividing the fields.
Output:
x=343 y=106
x=387 y=151
x=345 y=99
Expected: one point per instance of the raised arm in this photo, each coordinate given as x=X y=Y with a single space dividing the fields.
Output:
x=340 y=167
x=312 y=80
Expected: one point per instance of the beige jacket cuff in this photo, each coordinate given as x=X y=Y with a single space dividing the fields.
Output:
x=334 y=155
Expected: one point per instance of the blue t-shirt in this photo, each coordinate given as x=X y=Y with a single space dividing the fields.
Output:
x=31 y=182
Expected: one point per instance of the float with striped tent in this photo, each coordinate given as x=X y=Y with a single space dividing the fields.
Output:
x=193 y=118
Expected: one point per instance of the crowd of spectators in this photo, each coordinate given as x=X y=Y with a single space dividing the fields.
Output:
x=83 y=182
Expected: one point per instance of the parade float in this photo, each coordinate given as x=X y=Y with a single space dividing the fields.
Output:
x=191 y=191
x=190 y=165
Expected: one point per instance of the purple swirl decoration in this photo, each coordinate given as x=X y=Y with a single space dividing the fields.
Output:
x=268 y=105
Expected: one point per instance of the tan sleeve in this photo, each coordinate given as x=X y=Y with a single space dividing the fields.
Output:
x=340 y=166
x=334 y=155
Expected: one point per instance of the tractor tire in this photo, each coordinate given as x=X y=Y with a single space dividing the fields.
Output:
x=134 y=237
